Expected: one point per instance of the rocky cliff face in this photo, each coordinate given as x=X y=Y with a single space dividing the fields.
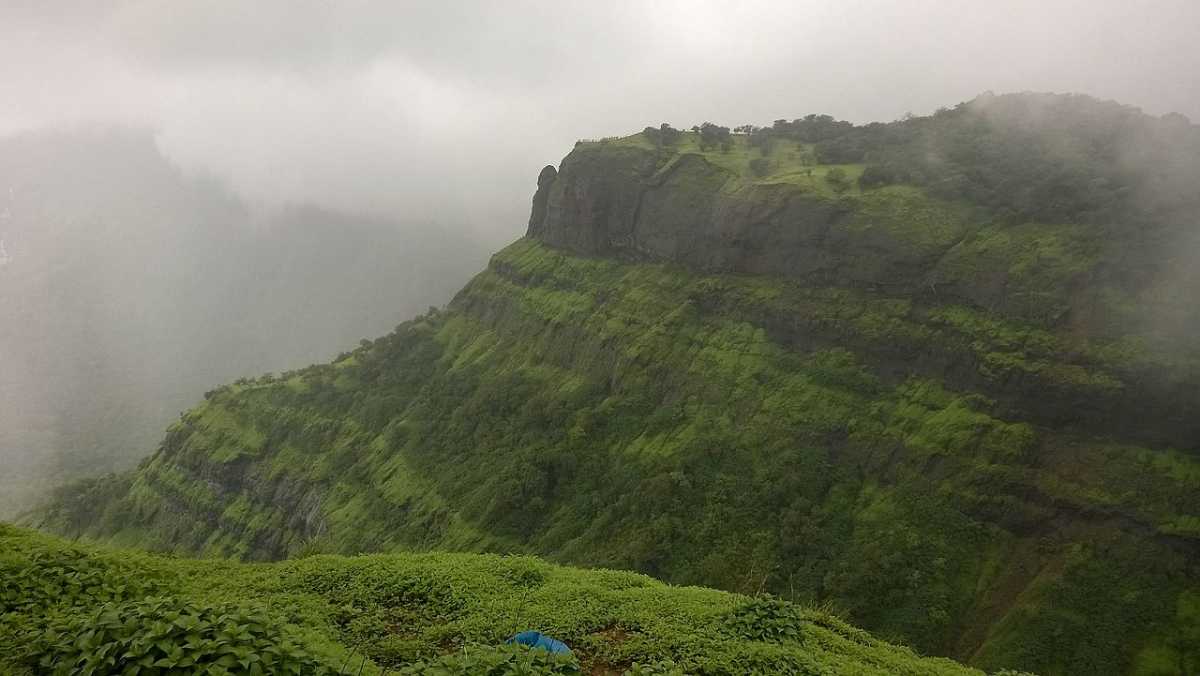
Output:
x=627 y=201
x=619 y=202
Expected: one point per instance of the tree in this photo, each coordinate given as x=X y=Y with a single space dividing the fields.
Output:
x=875 y=176
x=812 y=128
x=763 y=139
x=836 y=178
x=668 y=134
x=661 y=136
x=714 y=134
x=846 y=149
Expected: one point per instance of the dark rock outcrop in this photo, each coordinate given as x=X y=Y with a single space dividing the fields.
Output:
x=632 y=203
x=618 y=201
x=538 y=215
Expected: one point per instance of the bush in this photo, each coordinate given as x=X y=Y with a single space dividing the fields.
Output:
x=163 y=635
x=875 y=176
x=665 y=668
x=760 y=166
x=836 y=178
x=766 y=618
x=67 y=578
x=514 y=660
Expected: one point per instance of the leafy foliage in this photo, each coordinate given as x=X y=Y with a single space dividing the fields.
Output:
x=714 y=135
x=165 y=636
x=66 y=578
x=490 y=661
x=408 y=614
x=766 y=619
x=1025 y=156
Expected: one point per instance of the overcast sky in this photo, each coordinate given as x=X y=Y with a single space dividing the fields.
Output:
x=446 y=110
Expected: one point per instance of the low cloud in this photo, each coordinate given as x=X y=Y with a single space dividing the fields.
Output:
x=447 y=110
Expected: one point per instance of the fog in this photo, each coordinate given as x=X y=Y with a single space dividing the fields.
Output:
x=129 y=288
x=190 y=191
x=395 y=107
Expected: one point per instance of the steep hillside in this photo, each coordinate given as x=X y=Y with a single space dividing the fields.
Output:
x=408 y=614
x=969 y=429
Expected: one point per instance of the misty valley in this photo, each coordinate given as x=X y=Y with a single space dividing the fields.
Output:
x=130 y=288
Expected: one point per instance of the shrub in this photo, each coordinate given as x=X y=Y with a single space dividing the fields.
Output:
x=162 y=635
x=875 y=176
x=836 y=178
x=665 y=668
x=766 y=618
x=514 y=660
x=67 y=578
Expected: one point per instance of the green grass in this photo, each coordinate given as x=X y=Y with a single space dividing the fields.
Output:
x=789 y=162
x=364 y=615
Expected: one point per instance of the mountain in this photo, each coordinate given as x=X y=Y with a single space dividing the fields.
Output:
x=936 y=373
x=417 y=613
x=130 y=288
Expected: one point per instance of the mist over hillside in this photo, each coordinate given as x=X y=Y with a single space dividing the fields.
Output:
x=334 y=335
x=129 y=288
x=935 y=372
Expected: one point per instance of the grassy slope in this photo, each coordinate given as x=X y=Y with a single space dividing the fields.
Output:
x=400 y=609
x=733 y=431
x=788 y=162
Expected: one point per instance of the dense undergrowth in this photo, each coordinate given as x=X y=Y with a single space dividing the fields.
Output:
x=71 y=609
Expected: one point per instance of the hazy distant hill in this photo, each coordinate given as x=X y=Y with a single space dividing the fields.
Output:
x=130 y=289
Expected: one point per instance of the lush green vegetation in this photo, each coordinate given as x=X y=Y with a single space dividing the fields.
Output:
x=1025 y=157
x=82 y=610
x=1049 y=209
x=792 y=163
x=697 y=428
x=969 y=430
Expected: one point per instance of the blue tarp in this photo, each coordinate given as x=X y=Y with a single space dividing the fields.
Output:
x=540 y=641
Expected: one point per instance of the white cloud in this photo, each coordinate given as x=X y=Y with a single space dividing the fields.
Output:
x=446 y=111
